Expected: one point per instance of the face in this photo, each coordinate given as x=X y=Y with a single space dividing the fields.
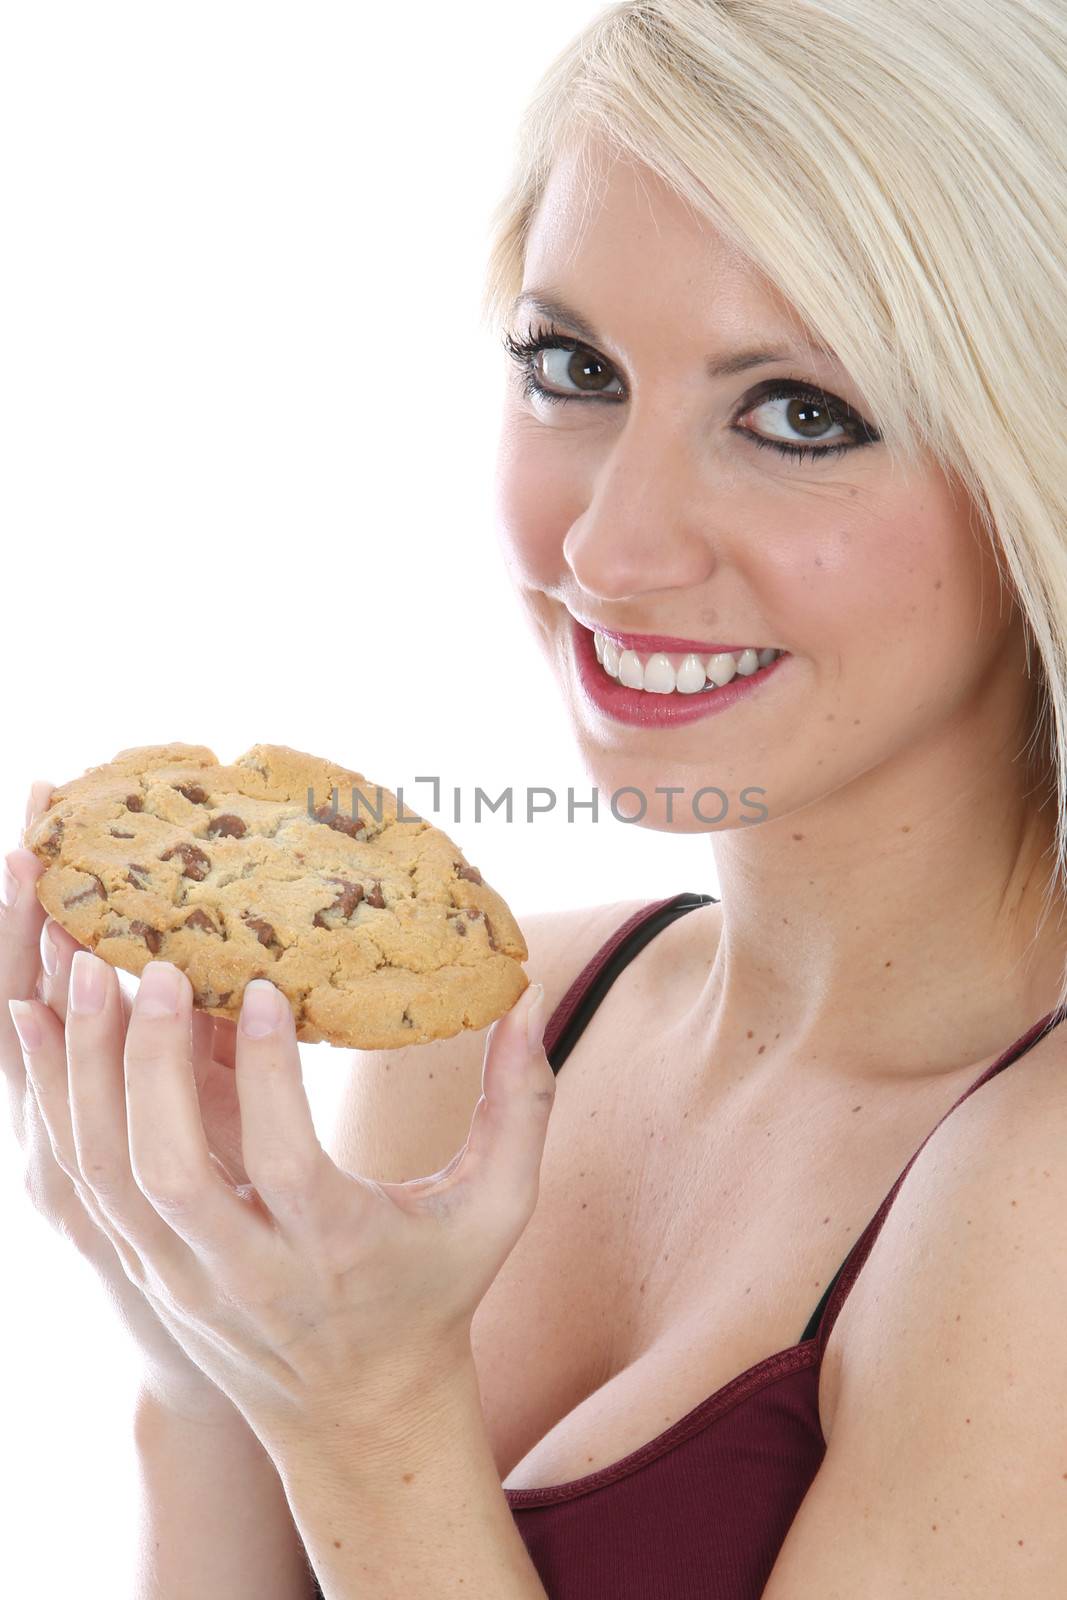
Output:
x=650 y=499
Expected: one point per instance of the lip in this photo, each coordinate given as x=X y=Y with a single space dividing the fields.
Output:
x=648 y=642
x=641 y=709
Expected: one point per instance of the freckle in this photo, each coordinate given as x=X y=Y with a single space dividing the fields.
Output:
x=889 y=963
x=1020 y=1541
x=937 y=585
x=857 y=1108
x=1046 y=1174
x=798 y=836
x=337 y=1544
x=761 y=1049
x=825 y=1220
x=957 y=1316
x=409 y=1477
x=584 y=1205
x=967 y=1419
x=748 y=1035
x=830 y=717
x=1015 y=1202
x=906 y=828
x=933 y=1527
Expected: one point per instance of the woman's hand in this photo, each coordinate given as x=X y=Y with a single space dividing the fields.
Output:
x=301 y=1291
x=35 y=959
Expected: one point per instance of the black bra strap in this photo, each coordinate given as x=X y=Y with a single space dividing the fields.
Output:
x=620 y=958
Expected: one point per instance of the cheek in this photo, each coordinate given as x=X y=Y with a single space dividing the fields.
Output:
x=897 y=574
x=534 y=505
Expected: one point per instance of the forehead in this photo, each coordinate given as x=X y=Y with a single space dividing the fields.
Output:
x=611 y=237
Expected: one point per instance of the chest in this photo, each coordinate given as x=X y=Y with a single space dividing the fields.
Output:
x=688 y=1223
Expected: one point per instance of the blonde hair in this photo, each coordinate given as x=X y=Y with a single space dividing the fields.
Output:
x=896 y=169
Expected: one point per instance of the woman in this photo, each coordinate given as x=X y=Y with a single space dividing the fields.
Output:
x=782 y=483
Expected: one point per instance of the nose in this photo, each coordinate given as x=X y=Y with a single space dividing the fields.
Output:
x=646 y=526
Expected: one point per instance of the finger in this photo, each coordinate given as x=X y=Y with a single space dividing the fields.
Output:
x=97 y=1108
x=58 y=949
x=282 y=1153
x=21 y=916
x=169 y=1157
x=37 y=800
x=45 y=1056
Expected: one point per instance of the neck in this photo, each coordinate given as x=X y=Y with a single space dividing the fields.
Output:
x=899 y=929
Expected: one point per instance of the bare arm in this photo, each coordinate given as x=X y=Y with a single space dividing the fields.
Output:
x=215 y=1523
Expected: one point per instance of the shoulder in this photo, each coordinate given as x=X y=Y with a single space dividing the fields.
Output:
x=946 y=1467
x=404 y=1113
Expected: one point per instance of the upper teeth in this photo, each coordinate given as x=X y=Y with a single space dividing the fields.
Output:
x=686 y=674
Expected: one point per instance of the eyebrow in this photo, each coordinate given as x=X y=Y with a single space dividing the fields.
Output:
x=722 y=367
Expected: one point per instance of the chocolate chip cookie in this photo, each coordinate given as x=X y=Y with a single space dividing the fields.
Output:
x=281 y=866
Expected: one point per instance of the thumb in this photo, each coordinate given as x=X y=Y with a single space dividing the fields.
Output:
x=518 y=1090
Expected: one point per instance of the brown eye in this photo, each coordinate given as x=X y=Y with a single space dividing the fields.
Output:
x=559 y=369
x=789 y=417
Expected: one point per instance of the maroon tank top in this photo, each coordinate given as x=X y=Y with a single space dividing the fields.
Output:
x=702 y=1510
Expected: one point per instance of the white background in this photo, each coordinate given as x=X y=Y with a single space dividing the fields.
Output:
x=249 y=420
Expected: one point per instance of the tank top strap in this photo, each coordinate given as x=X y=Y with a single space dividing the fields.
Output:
x=572 y=1014
x=837 y=1291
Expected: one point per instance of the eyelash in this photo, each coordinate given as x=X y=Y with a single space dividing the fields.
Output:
x=524 y=350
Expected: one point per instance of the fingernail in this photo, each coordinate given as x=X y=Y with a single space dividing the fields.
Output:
x=49 y=954
x=160 y=990
x=39 y=792
x=9 y=885
x=261 y=1009
x=87 y=988
x=535 y=1016
x=25 y=1024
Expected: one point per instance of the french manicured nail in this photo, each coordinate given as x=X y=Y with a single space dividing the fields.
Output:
x=261 y=1009
x=9 y=885
x=25 y=1024
x=87 y=987
x=49 y=953
x=160 y=990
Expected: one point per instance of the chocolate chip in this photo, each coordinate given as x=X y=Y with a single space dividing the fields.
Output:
x=262 y=930
x=134 y=802
x=200 y=919
x=193 y=792
x=457 y=923
x=346 y=902
x=87 y=894
x=489 y=930
x=136 y=873
x=209 y=997
x=116 y=833
x=196 y=864
x=350 y=896
x=226 y=825
x=51 y=845
x=470 y=873
x=350 y=825
x=375 y=897
x=151 y=936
